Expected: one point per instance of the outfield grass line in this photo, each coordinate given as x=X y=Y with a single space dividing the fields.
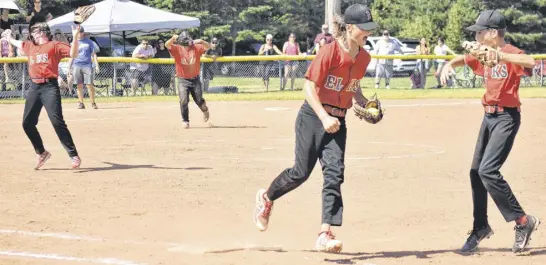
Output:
x=399 y=94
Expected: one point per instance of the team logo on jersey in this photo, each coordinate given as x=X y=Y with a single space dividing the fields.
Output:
x=499 y=71
x=334 y=83
x=39 y=58
x=189 y=59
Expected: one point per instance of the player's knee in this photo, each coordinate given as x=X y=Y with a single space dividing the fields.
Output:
x=474 y=173
x=28 y=124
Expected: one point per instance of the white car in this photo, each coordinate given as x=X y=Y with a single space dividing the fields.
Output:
x=401 y=67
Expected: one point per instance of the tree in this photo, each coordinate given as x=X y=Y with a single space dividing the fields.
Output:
x=525 y=22
x=461 y=15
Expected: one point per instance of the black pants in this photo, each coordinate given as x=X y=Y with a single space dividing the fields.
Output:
x=495 y=141
x=46 y=95
x=185 y=88
x=314 y=143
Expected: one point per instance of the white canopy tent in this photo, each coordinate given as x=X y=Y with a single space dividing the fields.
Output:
x=126 y=18
x=11 y=5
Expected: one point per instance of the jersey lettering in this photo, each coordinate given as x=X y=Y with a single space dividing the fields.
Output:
x=353 y=85
x=39 y=58
x=500 y=71
x=333 y=83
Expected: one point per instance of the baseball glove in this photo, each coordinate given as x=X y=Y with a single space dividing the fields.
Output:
x=83 y=13
x=486 y=55
x=371 y=111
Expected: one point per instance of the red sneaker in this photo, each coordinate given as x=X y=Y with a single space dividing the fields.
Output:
x=76 y=162
x=42 y=158
x=263 y=210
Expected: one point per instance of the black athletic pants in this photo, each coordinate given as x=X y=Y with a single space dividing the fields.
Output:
x=314 y=143
x=46 y=95
x=495 y=141
x=185 y=88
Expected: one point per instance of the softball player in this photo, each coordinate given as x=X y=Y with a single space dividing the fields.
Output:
x=43 y=67
x=499 y=127
x=188 y=62
x=333 y=79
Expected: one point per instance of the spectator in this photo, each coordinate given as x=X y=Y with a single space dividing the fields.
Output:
x=162 y=73
x=6 y=50
x=422 y=65
x=384 y=67
x=82 y=66
x=441 y=49
x=291 y=47
x=37 y=10
x=321 y=43
x=138 y=70
x=5 y=21
x=208 y=68
x=268 y=49
x=22 y=67
x=59 y=36
x=324 y=34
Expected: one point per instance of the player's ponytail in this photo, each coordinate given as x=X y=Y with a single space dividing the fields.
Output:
x=340 y=28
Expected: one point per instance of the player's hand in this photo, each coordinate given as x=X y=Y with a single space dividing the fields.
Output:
x=75 y=32
x=330 y=124
x=446 y=73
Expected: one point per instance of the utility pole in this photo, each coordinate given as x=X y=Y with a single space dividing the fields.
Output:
x=331 y=8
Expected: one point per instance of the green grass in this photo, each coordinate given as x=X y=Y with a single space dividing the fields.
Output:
x=252 y=89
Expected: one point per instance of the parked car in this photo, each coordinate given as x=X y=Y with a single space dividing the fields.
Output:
x=410 y=43
x=403 y=67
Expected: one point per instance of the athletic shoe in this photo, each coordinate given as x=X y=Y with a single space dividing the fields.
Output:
x=476 y=236
x=76 y=162
x=94 y=105
x=206 y=115
x=186 y=125
x=523 y=233
x=263 y=210
x=81 y=106
x=327 y=242
x=42 y=158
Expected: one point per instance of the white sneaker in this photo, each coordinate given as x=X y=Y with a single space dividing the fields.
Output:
x=376 y=86
x=388 y=87
x=186 y=125
x=327 y=242
x=263 y=210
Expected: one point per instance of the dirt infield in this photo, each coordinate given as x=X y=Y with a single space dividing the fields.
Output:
x=150 y=192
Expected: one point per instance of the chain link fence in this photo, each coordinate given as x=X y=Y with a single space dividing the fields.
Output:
x=121 y=77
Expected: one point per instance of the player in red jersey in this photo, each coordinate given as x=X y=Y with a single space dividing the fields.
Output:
x=44 y=56
x=499 y=127
x=333 y=80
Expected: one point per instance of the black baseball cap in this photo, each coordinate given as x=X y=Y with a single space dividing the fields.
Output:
x=359 y=15
x=488 y=19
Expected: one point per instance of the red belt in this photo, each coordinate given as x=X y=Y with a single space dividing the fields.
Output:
x=42 y=80
x=498 y=109
x=335 y=111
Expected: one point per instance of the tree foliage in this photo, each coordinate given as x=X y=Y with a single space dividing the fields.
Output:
x=247 y=21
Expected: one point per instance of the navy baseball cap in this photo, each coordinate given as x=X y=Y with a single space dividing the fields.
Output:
x=81 y=29
x=361 y=16
x=488 y=19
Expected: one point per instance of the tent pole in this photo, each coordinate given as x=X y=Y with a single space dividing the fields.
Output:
x=114 y=77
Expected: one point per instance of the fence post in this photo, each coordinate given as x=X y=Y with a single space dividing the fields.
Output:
x=541 y=72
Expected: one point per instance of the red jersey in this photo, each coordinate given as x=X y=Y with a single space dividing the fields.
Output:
x=502 y=81
x=187 y=59
x=43 y=60
x=336 y=75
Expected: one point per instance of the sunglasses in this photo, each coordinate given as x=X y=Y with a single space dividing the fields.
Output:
x=385 y=34
x=268 y=39
x=214 y=42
